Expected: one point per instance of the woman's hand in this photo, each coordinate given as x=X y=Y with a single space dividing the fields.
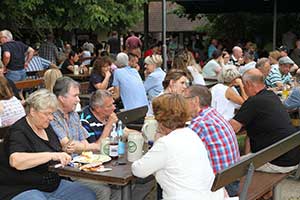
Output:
x=107 y=74
x=62 y=157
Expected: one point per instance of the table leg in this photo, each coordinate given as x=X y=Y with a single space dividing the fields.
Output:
x=127 y=192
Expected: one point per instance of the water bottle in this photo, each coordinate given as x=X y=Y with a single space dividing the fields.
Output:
x=113 y=145
x=121 y=142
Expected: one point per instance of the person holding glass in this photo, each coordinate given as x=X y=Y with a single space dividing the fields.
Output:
x=28 y=150
x=178 y=159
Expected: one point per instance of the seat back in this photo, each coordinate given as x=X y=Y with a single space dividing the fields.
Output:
x=132 y=115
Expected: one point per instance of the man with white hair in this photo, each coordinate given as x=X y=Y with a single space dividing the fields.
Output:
x=237 y=56
x=15 y=56
x=128 y=84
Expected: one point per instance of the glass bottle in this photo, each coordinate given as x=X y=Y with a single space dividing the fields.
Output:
x=113 y=144
x=121 y=142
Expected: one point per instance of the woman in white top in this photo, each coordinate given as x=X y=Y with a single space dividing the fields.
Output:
x=178 y=158
x=11 y=109
x=225 y=97
x=214 y=66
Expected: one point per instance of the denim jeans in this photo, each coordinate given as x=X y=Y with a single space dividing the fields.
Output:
x=233 y=188
x=67 y=190
x=17 y=75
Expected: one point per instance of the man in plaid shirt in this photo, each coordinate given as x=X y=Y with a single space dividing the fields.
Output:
x=215 y=132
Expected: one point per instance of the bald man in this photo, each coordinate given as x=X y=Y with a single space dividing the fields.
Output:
x=266 y=122
x=237 y=56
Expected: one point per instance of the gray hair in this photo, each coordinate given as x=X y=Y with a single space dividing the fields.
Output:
x=7 y=34
x=202 y=92
x=249 y=55
x=63 y=85
x=261 y=62
x=97 y=98
x=41 y=100
x=228 y=74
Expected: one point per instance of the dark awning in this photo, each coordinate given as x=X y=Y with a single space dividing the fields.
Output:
x=225 y=6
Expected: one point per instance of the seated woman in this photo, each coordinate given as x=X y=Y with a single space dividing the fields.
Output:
x=29 y=148
x=213 y=67
x=101 y=77
x=183 y=173
x=225 y=97
x=176 y=81
x=11 y=109
x=50 y=77
x=154 y=76
x=185 y=61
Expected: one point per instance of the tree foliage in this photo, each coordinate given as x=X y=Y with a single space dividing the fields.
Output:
x=40 y=16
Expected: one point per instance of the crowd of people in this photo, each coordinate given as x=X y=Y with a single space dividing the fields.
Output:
x=229 y=91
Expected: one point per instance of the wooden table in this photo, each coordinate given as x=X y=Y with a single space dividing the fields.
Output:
x=119 y=175
x=79 y=77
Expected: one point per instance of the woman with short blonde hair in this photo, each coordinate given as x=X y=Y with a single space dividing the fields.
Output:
x=225 y=97
x=178 y=157
x=154 y=76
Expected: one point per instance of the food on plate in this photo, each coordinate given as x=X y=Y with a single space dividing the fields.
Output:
x=91 y=166
x=89 y=157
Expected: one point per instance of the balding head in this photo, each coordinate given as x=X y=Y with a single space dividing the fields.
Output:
x=237 y=52
x=253 y=75
x=253 y=81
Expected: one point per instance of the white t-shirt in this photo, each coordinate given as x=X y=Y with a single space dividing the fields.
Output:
x=180 y=163
x=223 y=105
x=198 y=78
x=86 y=54
x=12 y=111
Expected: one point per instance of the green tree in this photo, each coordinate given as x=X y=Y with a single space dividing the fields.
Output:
x=40 y=16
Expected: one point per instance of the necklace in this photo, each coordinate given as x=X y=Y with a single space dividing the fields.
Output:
x=39 y=132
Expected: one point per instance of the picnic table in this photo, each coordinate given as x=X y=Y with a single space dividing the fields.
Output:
x=79 y=77
x=120 y=175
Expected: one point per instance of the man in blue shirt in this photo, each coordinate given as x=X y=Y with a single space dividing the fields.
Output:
x=128 y=84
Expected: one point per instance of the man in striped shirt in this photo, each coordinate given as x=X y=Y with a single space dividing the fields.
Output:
x=279 y=76
x=38 y=63
x=215 y=132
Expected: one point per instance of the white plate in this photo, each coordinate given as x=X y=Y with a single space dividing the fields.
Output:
x=93 y=158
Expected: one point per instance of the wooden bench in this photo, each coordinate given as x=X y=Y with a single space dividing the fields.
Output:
x=255 y=184
x=29 y=83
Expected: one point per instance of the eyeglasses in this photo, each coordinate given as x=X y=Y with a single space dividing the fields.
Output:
x=48 y=114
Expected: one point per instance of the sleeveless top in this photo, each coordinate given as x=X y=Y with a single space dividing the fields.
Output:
x=12 y=111
x=223 y=105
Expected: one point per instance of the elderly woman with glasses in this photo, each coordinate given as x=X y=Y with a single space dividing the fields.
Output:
x=29 y=148
x=178 y=159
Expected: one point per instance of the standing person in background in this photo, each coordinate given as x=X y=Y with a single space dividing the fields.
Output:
x=114 y=44
x=15 y=56
x=48 y=49
x=133 y=42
